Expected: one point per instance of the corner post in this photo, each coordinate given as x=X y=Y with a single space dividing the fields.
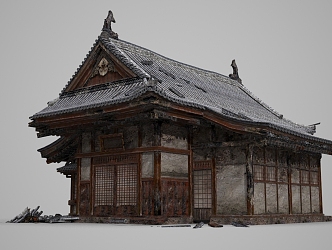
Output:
x=250 y=180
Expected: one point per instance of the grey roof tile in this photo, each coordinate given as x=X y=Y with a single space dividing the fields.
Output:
x=68 y=168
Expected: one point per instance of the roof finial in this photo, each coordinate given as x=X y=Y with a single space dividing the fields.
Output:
x=235 y=75
x=107 y=25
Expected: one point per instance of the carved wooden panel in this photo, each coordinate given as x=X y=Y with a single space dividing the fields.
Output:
x=175 y=197
x=147 y=197
x=198 y=165
x=84 y=207
x=202 y=214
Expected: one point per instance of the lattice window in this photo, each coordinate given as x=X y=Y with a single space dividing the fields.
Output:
x=124 y=190
x=304 y=177
x=126 y=185
x=104 y=185
x=270 y=173
x=202 y=189
x=258 y=173
x=314 y=178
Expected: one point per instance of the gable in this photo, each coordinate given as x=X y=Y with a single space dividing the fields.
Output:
x=100 y=67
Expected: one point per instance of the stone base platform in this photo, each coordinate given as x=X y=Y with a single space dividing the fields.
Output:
x=224 y=220
x=270 y=219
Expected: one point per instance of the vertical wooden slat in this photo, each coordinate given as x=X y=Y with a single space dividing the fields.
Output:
x=78 y=185
x=264 y=173
x=310 y=182
x=290 y=204
x=190 y=170
x=277 y=176
x=250 y=180
x=91 y=186
x=157 y=169
x=139 y=185
x=320 y=185
x=214 y=186
x=300 y=168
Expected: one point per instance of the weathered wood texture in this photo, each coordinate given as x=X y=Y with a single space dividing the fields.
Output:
x=245 y=177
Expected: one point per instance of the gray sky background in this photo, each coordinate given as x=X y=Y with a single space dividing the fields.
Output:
x=282 y=48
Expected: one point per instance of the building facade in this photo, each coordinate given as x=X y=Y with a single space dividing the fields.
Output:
x=152 y=140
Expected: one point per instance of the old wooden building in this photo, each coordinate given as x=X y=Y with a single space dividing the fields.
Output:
x=152 y=140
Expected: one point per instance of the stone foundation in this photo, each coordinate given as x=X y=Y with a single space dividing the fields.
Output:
x=224 y=220
x=153 y=220
x=270 y=219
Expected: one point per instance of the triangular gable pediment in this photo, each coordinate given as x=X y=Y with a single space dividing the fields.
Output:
x=100 y=67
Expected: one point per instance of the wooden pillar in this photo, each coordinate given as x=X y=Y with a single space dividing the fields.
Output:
x=157 y=169
x=290 y=204
x=139 y=172
x=190 y=170
x=320 y=184
x=213 y=172
x=250 y=180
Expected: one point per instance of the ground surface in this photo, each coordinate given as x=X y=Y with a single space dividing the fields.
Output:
x=106 y=236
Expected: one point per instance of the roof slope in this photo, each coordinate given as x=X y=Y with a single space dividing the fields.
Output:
x=178 y=82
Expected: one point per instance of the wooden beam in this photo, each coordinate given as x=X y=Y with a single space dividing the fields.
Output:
x=135 y=151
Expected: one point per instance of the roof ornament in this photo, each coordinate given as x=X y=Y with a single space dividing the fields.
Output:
x=312 y=128
x=107 y=25
x=235 y=75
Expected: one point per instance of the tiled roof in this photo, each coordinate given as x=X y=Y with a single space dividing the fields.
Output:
x=178 y=82
x=68 y=168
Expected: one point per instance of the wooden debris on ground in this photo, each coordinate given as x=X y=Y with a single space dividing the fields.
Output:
x=215 y=224
x=32 y=215
x=239 y=224
x=199 y=225
x=181 y=225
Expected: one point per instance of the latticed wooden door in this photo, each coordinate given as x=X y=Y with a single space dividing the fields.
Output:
x=202 y=188
x=115 y=190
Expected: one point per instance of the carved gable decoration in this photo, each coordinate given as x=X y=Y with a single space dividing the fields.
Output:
x=104 y=66
x=99 y=68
